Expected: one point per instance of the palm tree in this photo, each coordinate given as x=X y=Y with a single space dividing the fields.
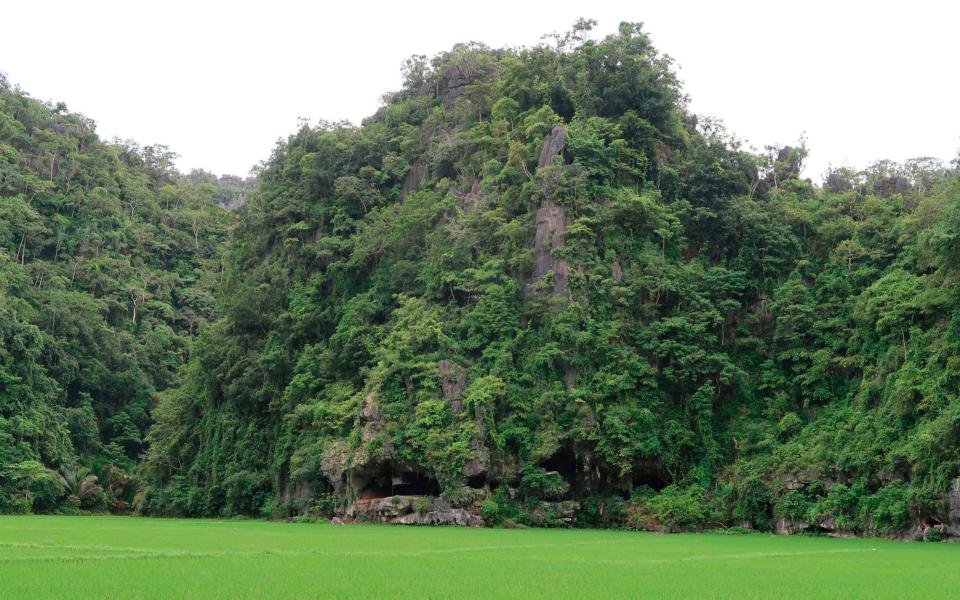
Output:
x=78 y=484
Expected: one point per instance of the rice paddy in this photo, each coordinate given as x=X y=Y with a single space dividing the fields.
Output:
x=127 y=557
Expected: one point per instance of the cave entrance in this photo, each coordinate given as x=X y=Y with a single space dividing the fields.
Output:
x=415 y=483
x=378 y=482
x=477 y=481
x=649 y=476
x=388 y=479
x=378 y=487
x=564 y=462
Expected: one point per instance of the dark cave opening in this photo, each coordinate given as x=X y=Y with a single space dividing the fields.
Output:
x=477 y=481
x=389 y=481
x=377 y=488
x=379 y=482
x=415 y=483
x=649 y=476
x=563 y=461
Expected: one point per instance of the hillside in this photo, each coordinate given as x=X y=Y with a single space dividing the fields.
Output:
x=108 y=264
x=532 y=288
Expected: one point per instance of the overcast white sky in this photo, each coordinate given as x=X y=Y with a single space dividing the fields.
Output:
x=220 y=82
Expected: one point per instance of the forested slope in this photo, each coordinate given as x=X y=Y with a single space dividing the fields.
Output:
x=532 y=288
x=108 y=264
x=535 y=283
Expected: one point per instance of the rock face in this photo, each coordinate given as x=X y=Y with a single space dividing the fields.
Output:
x=412 y=510
x=374 y=425
x=349 y=470
x=451 y=84
x=298 y=497
x=891 y=186
x=552 y=222
x=792 y=158
x=616 y=271
x=453 y=378
x=551 y=225
x=474 y=468
x=789 y=526
x=836 y=183
x=553 y=145
x=798 y=480
x=953 y=497
x=414 y=178
x=451 y=516
x=561 y=512
x=470 y=198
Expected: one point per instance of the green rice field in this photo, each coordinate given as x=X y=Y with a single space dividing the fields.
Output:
x=127 y=557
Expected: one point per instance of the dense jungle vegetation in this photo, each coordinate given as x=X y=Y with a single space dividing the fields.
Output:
x=109 y=262
x=533 y=284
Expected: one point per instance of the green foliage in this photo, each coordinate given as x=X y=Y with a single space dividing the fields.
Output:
x=889 y=508
x=432 y=296
x=491 y=511
x=684 y=508
x=760 y=348
x=602 y=511
x=108 y=262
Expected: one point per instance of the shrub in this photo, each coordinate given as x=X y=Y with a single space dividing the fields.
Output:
x=324 y=505
x=677 y=508
x=602 y=511
x=47 y=493
x=889 y=508
x=491 y=511
x=270 y=508
x=789 y=425
x=794 y=505
x=423 y=504
x=14 y=504
x=308 y=519
x=736 y=531
x=537 y=482
x=752 y=502
x=509 y=508
x=840 y=504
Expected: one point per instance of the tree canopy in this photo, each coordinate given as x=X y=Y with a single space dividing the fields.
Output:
x=533 y=280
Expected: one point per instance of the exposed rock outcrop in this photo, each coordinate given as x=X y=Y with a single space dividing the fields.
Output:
x=616 y=271
x=474 y=468
x=414 y=179
x=335 y=463
x=412 y=510
x=374 y=426
x=553 y=145
x=796 y=481
x=551 y=225
x=789 y=526
x=891 y=186
x=792 y=158
x=350 y=469
x=557 y=512
x=953 y=499
x=453 y=378
x=469 y=199
x=450 y=516
x=450 y=85
x=552 y=222
x=297 y=496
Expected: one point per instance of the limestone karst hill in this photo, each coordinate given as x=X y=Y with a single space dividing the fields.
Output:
x=531 y=288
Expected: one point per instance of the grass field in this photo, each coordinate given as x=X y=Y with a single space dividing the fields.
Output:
x=114 y=557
